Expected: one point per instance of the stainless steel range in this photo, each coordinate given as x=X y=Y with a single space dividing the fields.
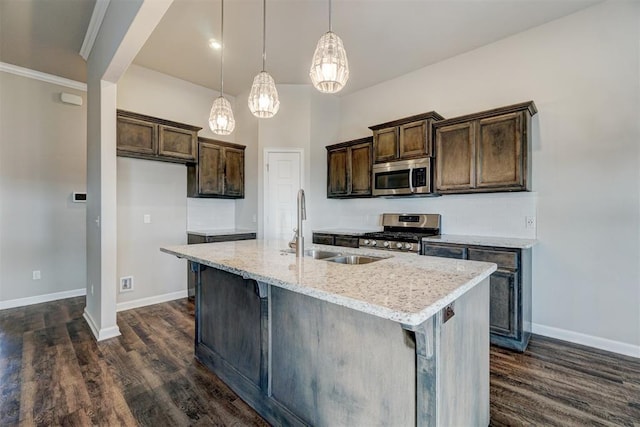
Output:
x=402 y=232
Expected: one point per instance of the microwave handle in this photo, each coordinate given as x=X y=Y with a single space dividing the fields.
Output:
x=411 y=179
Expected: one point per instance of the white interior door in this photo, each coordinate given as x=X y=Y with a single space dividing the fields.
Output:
x=282 y=182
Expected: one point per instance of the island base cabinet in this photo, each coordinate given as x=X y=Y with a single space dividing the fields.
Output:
x=335 y=366
x=299 y=360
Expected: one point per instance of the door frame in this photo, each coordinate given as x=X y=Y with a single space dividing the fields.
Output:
x=265 y=177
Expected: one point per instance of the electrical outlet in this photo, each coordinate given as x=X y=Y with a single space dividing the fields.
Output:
x=36 y=275
x=91 y=288
x=254 y=218
x=146 y=219
x=530 y=222
x=126 y=284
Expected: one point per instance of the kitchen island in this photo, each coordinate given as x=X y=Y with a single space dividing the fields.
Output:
x=400 y=341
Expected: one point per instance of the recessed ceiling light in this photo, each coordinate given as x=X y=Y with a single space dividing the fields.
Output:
x=214 y=44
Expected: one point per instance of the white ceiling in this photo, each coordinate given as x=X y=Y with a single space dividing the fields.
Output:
x=383 y=38
x=45 y=35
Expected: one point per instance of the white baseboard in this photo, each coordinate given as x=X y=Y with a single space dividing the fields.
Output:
x=588 y=340
x=21 y=302
x=102 y=334
x=142 y=302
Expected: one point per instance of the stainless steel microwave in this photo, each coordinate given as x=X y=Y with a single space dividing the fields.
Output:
x=404 y=177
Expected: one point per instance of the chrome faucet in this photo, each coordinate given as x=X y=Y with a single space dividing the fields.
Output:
x=302 y=215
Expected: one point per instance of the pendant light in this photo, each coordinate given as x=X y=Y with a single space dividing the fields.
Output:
x=263 y=98
x=221 y=119
x=329 y=67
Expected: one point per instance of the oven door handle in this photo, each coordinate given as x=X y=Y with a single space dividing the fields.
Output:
x=411 y=180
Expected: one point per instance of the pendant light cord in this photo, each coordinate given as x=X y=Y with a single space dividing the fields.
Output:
x=330 y=27
x=264 y=34
x=222 y=48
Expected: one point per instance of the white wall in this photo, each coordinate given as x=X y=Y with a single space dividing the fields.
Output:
x=246 y=133
x=289 y=129
x=124 y=29
x=159 y=190
x=582 y=71
x=148 y=92
x=42 y=162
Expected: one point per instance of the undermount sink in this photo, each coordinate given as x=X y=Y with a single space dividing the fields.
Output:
x=354 y=259
x=320 y=254
x=314 y=253
x=337 y=257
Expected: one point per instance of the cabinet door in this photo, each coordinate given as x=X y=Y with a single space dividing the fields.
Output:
x=210 y=169
x=337 y=185
x=177 y=143
x=136 y=136
x=503 y=308
x=500 y=160
x=385 y=145
x=234 y=172
x=360 y=169
x=455 y=158
x=413 y=140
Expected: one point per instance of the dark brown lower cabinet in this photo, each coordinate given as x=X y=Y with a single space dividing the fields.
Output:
x=510 y=288
x=193 y=239
x=335 y=240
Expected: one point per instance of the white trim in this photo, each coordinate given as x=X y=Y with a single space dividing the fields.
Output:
x=588 y=340
x=37 y=75
x=143 y=302
x=21 y=302
x=102 y=334
x=99 y=10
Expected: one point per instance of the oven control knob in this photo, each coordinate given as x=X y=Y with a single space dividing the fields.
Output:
x=373 y=243
x=399 y=245
x=385 y=244
x=365 y=242
x=407 y=246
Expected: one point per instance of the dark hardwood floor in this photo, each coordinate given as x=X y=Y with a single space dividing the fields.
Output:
x=52 y=372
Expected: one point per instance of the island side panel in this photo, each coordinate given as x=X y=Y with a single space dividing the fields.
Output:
x=331 y=365
x=463 y=361
x=229 y=320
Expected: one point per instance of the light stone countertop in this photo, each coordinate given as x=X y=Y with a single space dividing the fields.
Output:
x=406 y=287
x=347 y=231
x=222 y=232
x=500 y=242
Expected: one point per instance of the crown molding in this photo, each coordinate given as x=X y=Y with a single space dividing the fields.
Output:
x=37 y=75
x=99 y=10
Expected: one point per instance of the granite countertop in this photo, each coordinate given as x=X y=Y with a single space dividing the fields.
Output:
x=223 y=232
x=347 y=231
x=501 y=242
x=405 y=287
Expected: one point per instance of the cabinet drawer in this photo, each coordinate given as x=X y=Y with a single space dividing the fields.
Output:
x=323 y=239
x=348 y=241
x=444 y=251
x=504 y=259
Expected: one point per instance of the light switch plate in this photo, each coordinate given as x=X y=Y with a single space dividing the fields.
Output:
x=146 y=219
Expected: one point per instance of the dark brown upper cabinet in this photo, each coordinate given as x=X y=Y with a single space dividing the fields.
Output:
x=152 y=138
x=349 y=169
x=407 y=138
x=219 y=171
x=488 y=151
